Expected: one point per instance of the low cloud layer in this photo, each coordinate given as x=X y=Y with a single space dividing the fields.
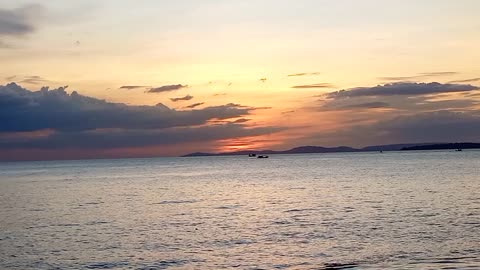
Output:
x=167 y=88
x=110 y=139
x=437 y=126
x=55 y=120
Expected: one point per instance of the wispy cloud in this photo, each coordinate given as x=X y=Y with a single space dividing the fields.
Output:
x=34 y=80
x=442 y=73
x=419 y=76
x=194 y=105
x=466 y=80
x=317 y=85
x=304 y=74
x=131 y=87
x=187 y=97
x=167 y=88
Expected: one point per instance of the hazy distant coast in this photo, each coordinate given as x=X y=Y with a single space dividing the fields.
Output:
x=339 y=149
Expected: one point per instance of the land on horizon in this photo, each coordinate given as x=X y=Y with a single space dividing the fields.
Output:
x=339 y=149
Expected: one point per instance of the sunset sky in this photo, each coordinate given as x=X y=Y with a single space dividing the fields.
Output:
x=165 y=78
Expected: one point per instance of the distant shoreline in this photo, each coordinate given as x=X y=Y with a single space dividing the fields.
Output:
x=346 y=149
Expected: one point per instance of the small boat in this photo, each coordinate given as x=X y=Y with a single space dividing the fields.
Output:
x=252 y=155
x=459 y=150
x=262 y=156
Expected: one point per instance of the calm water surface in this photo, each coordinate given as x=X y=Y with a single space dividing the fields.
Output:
x=398 y=210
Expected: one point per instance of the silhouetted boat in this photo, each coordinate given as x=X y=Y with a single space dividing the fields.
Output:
x=459 y=150
x=252 y=155
x=262 y=156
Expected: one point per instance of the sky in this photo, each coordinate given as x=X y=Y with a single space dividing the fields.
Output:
x=124 y=78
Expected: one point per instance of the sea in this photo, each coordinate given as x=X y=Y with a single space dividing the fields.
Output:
x=391 y=210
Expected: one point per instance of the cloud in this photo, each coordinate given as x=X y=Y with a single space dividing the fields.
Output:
x=4 y=45
x=442 y=73
x=317 y=85
x=131 y=87
x=433 y=126
x=368 y=105
x=241 y=120
x=303 y=74
x=400 y=78
x=54 y=120
x=167 y=88
x=34 y=80
x=108 y=139
x=466 y=80
x=195 y=105
x=437 y=126
x=19 y=22
x=402 y=88
x=187 y=97
x=22 y=110
x=420 y=76
x=397 y=104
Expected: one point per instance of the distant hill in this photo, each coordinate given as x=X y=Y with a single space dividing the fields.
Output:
x=297 y=150
x=340 y=149
x=395 y=147
x=318 y=149
x=444 y=146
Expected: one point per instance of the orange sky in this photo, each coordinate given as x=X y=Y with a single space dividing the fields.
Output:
x=278 y=58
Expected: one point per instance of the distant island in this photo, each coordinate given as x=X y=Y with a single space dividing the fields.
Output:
x=443 y=146
x=341 y=149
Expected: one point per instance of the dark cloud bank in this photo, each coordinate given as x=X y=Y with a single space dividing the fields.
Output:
x=405 y=112
x=436 y=126
x=75 y=121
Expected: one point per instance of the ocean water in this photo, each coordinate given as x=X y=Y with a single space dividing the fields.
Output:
x=396 y=210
